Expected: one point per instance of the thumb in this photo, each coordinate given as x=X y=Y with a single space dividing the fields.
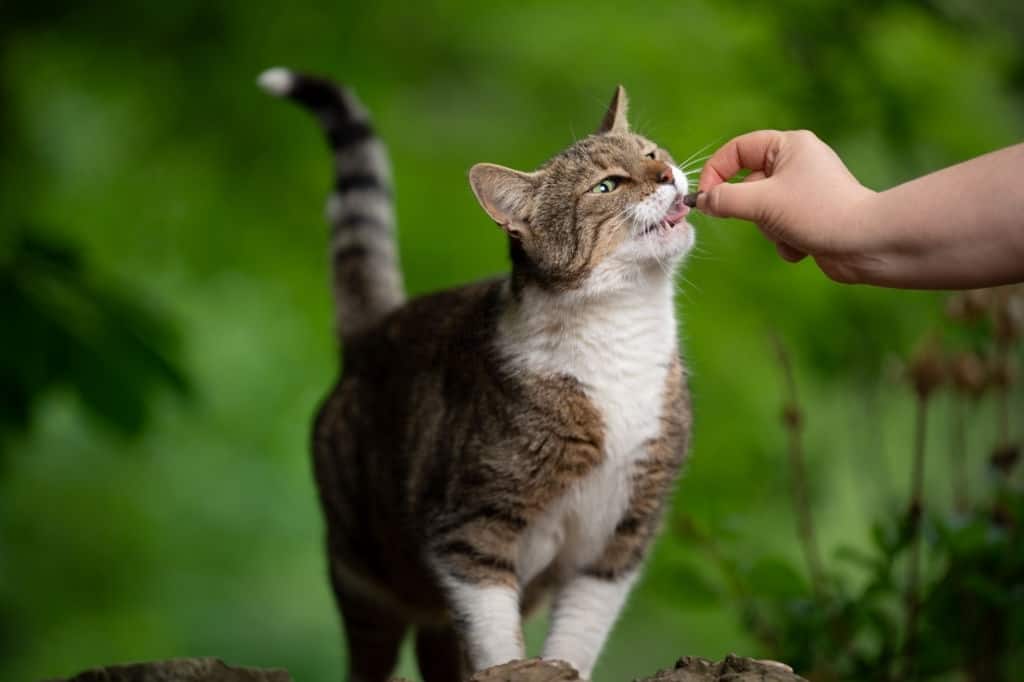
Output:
x=747 y=200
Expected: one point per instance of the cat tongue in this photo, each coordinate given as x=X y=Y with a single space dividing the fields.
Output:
x=677 y=212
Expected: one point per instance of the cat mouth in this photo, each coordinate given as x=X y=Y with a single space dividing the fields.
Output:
x=677 y=212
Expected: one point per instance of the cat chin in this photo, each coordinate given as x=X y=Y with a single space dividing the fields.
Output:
x=643 y=264
x=666 y=245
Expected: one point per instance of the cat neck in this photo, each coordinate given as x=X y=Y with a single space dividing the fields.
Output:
x=580 y=332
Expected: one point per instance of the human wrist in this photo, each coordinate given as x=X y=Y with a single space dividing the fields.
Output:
x=858 y=252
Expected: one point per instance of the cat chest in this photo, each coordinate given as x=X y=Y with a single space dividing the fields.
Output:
x=620 y=357
x=575 y=530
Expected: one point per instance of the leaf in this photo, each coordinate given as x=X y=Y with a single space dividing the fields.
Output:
x=859 y=557
x=882 y=538
x=987 y=589
x=65 y=329
x=775 y=578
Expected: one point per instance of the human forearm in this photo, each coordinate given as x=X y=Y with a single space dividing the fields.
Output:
x=959 y=227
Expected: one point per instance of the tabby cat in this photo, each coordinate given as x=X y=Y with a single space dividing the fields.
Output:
x=492 y=443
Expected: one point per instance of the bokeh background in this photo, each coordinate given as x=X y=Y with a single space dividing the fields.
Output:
x=166 y=325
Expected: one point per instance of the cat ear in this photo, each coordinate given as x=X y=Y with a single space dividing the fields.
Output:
x=615 y=118
x=505 y=194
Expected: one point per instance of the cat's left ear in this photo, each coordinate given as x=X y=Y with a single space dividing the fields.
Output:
x=505 y=194
x=615 y=118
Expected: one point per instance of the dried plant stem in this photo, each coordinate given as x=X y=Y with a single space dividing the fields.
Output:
x=1006 y=453
x=1003 y=414
x=792 y=418
x=915 y=511
x=958 y=444
x=1005 y=383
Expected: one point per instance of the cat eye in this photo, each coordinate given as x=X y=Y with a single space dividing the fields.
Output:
x=605 y=186
x=651 y=154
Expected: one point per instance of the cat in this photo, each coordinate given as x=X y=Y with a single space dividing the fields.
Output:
x=492 y=443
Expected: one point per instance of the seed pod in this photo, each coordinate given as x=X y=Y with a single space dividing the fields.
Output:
x=968 y=306
x=1008 y=315
x=969 y=374
x=1004 y=459
x=792 y=417
x=926 y=370
x=1003 y=371
x=956 y=308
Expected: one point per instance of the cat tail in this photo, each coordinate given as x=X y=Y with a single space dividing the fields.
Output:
x=367 y=282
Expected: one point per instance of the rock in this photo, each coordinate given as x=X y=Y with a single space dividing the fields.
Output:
x=687 y=669
x=180 y=670
x=732 y=668
x=529 y=670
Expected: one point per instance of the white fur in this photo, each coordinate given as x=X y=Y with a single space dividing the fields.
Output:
x=277 y=81
x=619 y=348
x=583 y=615
x=492 y=629
x=617 y=337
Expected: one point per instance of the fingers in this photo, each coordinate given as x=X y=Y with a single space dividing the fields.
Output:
x=743 y=200
x=788 y=253
x=747 y=200
x=753 y=151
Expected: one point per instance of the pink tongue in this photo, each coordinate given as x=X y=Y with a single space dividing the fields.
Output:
x=678 y=214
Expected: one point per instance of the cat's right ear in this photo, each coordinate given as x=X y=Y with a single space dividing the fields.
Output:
x=505 y=195
x=614 y=120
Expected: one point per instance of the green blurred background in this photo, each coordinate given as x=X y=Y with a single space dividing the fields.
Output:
x=167 y=322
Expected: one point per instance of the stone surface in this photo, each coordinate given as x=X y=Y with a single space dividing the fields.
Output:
x=529 y=670
x=179 y=670
x=732 y=668
x=687 y=669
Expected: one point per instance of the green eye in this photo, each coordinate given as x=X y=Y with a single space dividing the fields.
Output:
x=605 y=186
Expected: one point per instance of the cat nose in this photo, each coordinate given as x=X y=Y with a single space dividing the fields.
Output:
x=663 y=174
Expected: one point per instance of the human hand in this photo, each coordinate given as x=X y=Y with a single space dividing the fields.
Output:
x=799 y=193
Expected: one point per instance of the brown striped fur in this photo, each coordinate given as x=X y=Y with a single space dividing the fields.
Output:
x=432 y=453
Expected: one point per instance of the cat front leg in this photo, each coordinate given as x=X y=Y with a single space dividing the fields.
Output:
x=589 y=601
x=487 y=618
x=483 y=594
x=584 y=611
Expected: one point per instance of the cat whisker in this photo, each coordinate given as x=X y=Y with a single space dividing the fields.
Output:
x=700 y=151
x=691 y=284
x=701 y=253
x=695 y=158
x=695 y=164
x=704 y=256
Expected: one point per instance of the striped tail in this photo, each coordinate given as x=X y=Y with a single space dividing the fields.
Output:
x=367 y=281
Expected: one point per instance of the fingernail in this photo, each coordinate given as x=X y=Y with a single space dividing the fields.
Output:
x=691 y=199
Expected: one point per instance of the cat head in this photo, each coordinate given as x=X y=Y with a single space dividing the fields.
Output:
x=602 y=215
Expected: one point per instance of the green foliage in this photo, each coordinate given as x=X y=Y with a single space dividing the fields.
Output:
x=863 y=618
x=185 y=249
x=64 y=330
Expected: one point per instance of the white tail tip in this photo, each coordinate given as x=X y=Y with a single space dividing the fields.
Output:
x=277 y=81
